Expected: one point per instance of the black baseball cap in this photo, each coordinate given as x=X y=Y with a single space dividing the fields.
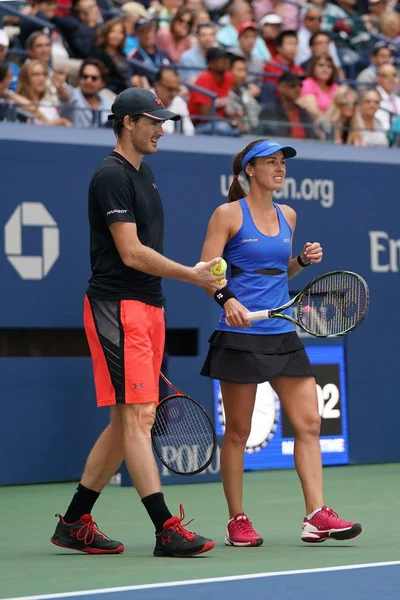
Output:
x=289 y=77
x=137 y=101
x=214 y=53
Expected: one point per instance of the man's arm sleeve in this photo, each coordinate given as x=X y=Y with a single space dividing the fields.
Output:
x=115 y=195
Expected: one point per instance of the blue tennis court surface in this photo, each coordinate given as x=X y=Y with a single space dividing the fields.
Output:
x=376 y=581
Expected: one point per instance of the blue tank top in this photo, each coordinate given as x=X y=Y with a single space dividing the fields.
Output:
x=257 y=272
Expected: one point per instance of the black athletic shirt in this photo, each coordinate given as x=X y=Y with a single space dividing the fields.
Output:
x=119 y=192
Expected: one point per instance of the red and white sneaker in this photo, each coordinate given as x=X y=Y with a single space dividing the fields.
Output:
x=327 y=524
x=240 y=532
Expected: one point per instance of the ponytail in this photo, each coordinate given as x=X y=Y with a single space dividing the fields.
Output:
x=236 y=191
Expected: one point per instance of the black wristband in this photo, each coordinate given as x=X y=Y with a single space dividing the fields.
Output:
x=301 y=263
x=221 y=296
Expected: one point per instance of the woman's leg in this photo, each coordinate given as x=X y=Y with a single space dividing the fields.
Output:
x=239 y=400
x=298 y=396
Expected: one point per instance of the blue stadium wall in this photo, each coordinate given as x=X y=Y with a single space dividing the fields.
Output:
x=348 y=199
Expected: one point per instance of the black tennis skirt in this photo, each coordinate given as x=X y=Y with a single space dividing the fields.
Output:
x=253 y=358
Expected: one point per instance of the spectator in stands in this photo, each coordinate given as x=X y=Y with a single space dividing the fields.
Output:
x=283 y=117
x=218 y=79
x=286 y=50
x=314 y=41
x=147 y=53
x=175 y=40
x=87 y=105
x=247 y=36
x=339 y=123
x=164 y=11
x=241 y=12
x=9 y=111
x=193 y=61
x=43 y=9
x=387 y=80
x=109 y=49
x=167 y=87
x=320 y=85
x=289 y=13
x=351 y=38
x=132 y=12
x=38 y=46
x=372 y=132
x=31 y=95
x=271 y=26
x=390 y=25
x=14 y=69
x=242 y=106
x=375 y=10
x=381 y=55
x=80 y=28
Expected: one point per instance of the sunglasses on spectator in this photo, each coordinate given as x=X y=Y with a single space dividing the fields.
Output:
x=187 y=22
x=315 y=19
x=348 y=103
x=92 y=77
x=388 y=75
x=294 y=84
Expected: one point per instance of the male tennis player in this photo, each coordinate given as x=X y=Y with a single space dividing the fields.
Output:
x=124 y=324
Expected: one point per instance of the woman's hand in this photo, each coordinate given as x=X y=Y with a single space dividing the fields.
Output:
x=236 y=313
x=312 y=253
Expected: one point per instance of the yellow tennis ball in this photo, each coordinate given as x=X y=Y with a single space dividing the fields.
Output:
x=219 y=268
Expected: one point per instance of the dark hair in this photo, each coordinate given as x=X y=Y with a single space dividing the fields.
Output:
x=180 y=13
x=380 y=46
x=3 y=70
x=102 y=35
x=31 y=39
x=118 y=125
x=94 y=62
x=236 y=191
x=163 y=70
x=234 y=58
x=315 y=35
x=312 y=65
x=284 y=34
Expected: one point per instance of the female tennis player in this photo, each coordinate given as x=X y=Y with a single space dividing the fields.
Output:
x=255 y=236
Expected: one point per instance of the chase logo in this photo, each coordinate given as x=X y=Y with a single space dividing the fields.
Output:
x=247 y=240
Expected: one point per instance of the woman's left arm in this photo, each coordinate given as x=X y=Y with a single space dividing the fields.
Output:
x=311 y=253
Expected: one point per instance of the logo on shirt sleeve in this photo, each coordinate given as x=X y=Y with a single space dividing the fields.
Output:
x=118 y=211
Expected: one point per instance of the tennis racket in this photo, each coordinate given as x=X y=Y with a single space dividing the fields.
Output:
x=183 y=434
x=331 y=305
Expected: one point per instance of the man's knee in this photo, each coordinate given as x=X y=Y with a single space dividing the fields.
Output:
x=138 y=417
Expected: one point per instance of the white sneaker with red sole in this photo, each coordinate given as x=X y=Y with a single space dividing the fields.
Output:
x=327 y=524
x=240 y=532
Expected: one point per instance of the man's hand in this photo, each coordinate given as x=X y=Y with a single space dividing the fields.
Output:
x=203 y=277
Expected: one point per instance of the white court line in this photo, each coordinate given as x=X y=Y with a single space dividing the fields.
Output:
x=152 y=586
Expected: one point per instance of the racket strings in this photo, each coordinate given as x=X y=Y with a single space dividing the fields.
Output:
x=183 y=435
x=334 y=304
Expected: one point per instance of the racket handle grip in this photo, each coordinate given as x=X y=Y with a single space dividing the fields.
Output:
x=259 y=315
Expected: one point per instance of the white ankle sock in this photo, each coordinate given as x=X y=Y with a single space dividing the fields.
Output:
x=308 y=517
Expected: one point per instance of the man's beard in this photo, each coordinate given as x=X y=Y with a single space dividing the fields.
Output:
x=89 y=94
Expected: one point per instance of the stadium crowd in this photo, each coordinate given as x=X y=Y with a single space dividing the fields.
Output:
x=318 y=70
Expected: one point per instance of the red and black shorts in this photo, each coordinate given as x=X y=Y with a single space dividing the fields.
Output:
x=126 y=340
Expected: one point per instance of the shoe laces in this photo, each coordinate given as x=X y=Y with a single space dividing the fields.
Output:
x=175 y=523
x=243 y=522
x=331 y=512
x=88 y=531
